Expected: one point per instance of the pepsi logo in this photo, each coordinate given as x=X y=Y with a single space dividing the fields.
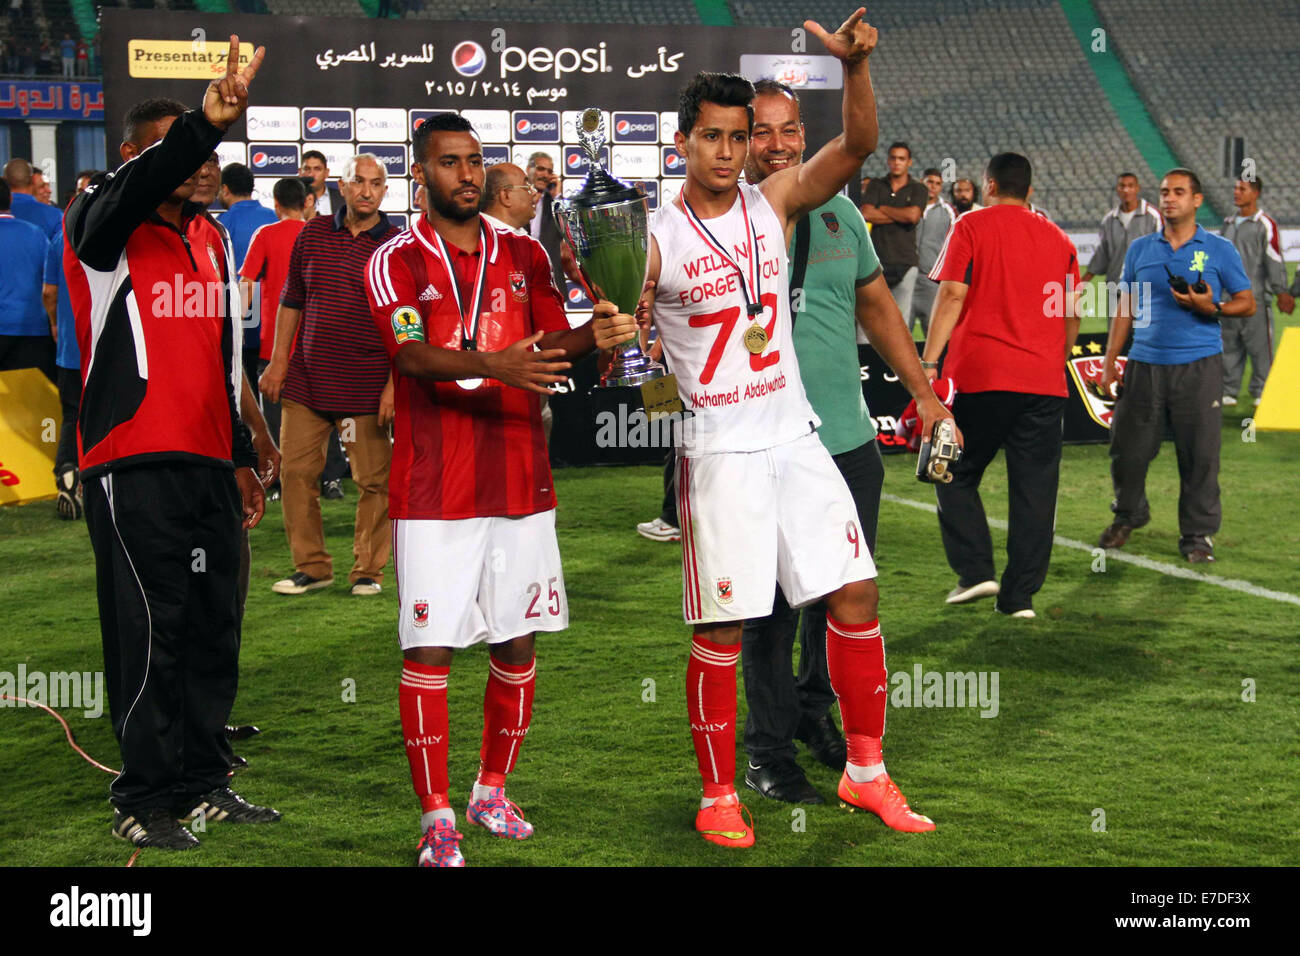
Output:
x=314 y=124
x=574 y=161
x=575 y=295
x=418 y=123
x=674 y=161
x=622 y=127
x=523 y=126
x=259 y=160
x=468 y=58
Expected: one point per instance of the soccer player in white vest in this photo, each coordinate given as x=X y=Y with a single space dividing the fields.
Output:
x=759 y=497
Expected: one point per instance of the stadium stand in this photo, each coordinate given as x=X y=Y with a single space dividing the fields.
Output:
x=1207 y=70
x=969 y=78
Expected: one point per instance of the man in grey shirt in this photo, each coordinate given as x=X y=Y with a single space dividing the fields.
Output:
x=893 y=205
x=931 y=232
x=1133 y=217
x=1256 y=239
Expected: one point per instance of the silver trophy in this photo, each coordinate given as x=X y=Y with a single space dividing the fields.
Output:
x=607 y=225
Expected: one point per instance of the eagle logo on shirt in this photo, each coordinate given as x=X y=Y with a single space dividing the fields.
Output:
x=1199 y=258
x=518 y=287
x=832 y=223
x=407 y=326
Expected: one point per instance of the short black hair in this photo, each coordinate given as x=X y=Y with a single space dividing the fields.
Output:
x=1194 y=179
x=438 y=123
x=290 y=192
x=238 y=178
x=6 y=197
x=723 y=89
x=146 y=112
x=932 y=172
x=86 y=174
x=899 y=144
x=1126 y=176
x=770 y=87
x=1013 y=174
x=308 y=183
x=1255 y=181
x=315 y=154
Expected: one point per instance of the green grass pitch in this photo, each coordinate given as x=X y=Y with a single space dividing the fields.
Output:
x=1125 y=696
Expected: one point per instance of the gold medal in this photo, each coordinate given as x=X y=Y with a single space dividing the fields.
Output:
x=756 y=339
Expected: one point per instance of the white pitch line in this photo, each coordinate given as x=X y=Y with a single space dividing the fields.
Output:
x=1173 y=570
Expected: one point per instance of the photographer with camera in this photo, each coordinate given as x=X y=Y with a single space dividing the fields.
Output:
x=1003 y=276
x=1174 y=374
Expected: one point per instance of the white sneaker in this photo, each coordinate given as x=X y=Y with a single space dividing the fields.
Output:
x=960 y=595
x=366 y=587
x=1025 y=613
x=659 y=530
x=1229 y=400
x=300 y=583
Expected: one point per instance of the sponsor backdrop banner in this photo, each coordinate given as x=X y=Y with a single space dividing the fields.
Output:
x=347 y=86
x=50 y=100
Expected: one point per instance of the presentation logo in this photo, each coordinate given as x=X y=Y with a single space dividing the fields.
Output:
x=326 y=124
x=537 y=127
x=273 y=159
x=468 y=58
x=636 y=128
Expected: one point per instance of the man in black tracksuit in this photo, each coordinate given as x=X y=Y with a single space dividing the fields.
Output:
x=166 y=463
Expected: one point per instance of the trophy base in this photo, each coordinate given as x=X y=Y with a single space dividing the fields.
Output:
x=639 y=370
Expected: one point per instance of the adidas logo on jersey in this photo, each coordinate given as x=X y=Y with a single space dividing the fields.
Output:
x=430 y=294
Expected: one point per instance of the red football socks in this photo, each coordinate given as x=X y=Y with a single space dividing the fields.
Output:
x=507 y=712
x=855 y=657
x=422 y=701
x=711 y=705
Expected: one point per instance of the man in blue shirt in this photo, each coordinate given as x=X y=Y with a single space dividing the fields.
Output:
x=244 y=215
x=19 y=175
x=1174 y=374
x=67 y=363
x=24 y=328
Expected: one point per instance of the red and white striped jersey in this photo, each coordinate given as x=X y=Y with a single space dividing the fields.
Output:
x=464 y=449
x=708 y=272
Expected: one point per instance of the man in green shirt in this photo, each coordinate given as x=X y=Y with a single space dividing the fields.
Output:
x=835 y=283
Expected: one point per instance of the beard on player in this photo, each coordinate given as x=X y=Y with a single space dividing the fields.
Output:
x=459 y=205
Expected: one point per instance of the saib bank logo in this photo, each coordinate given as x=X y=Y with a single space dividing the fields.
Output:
x=468 y=58
x=327 y=124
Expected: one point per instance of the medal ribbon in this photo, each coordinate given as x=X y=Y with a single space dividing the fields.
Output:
x=468 y=333
x=754 y=306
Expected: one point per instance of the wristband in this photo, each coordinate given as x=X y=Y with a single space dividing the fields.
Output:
x=929 y=365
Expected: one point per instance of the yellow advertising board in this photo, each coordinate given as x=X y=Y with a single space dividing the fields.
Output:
x=1279 y=407
x=29 y=434
x=196 y=59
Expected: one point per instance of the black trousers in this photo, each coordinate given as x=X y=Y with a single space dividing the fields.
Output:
x=1028 y=429
x=777 y=699
x=69 y=382
x=166 y=541
x=1186 y=399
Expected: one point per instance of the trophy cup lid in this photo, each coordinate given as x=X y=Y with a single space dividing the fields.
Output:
x=600 y=188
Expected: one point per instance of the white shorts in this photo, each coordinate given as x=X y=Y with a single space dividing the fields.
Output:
x=751 y=520
x=471 y=580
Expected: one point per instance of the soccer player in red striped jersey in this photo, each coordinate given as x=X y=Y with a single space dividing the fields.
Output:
x=460 y=305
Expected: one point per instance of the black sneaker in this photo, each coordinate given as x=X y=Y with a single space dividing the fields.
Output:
x=154 y=828
x=823 y=740
x=223 y=804
x=333 y=490
x=301 y=583
x=242 y=732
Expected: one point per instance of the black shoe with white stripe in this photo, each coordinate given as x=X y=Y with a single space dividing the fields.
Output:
x=153 y=828
x=224 y=805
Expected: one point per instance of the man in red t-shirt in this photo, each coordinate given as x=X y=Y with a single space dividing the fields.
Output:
x=267 y=263
x=459 y=305
x=1006 y=297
